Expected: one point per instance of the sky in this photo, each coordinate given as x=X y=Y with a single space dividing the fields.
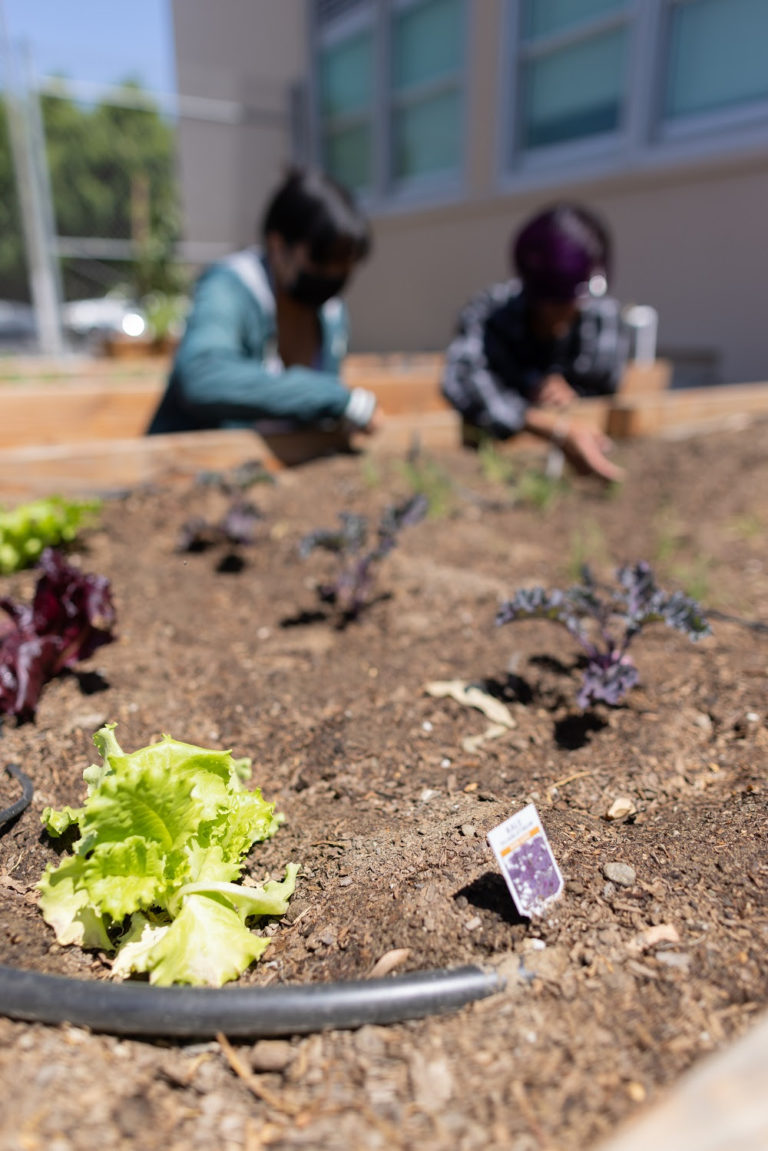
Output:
x=96 y=41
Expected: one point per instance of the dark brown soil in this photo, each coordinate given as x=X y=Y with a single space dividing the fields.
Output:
x=387 y=812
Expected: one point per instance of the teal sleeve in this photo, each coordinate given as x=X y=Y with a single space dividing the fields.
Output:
x=219 y=381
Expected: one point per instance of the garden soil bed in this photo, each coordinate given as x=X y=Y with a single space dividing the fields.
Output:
x=387 y=806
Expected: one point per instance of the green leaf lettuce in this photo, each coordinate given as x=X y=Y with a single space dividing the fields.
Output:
x=163 y=836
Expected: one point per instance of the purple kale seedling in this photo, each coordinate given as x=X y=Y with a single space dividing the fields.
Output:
x=350 y=590
x=237 y=528
x=238 y=479
x=71 y=615
x=604 y=623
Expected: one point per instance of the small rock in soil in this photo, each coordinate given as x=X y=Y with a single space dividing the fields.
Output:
x=431 y=1082
x=620 y=873
x=678 y=959
x=272 y=1055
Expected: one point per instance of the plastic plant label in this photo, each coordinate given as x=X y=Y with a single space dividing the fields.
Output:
x=525 y=857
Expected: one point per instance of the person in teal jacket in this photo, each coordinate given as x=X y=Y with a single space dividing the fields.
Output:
x=267 y=331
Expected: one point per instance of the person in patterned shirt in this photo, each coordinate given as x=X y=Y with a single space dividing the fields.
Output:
x=526 y=348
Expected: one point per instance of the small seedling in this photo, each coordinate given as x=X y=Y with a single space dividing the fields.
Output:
x=694 y=576
x=238 y=479
x=537 y=489
x=670 y=534
x=589 y=540
x=495 y=465
x=747 y=527
x=350 y=591
x=606 y=624
x=531 y=486
x=370 y=470
x=427 y=478
x=237 y=528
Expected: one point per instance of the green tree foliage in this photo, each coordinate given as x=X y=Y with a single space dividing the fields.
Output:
x=13 y=273
x=112 y=175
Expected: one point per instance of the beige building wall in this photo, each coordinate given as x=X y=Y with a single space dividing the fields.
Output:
x=239 y=59
x=690 y=243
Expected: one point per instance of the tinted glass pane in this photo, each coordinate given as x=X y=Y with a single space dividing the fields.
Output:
x=718 y=55
x=346 y=76
x=426 y=42
x=425 y=136
x=347 y=156
x=542 y=17
x=575 y=92
x=330 y=10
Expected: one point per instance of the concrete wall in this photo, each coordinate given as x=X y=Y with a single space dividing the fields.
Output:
x=248 y=52
x=689 y=243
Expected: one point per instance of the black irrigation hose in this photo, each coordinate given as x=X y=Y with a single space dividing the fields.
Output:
x=240 y=1012
x=193 y=1012
x=28 y=788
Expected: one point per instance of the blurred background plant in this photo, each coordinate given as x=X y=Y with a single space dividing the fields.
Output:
x=29 y=528
x=426 y=477
x=112 y=173
x=532 y=486
x=165 y=314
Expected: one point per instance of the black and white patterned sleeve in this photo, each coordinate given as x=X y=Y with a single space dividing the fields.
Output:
x=604 y=340
x=469 y=384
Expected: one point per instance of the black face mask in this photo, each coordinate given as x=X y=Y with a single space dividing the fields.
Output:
x=313 y=289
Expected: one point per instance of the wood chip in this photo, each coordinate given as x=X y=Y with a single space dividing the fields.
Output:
x=388 y=962
x=470 y=695
x=659 y=933
x=622 y=806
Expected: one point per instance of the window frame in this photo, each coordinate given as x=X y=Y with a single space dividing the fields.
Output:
x=345 y=27
x=709 y=121
x=387 y=191
x=516 y=52
x=646 y=141
x=432 y=183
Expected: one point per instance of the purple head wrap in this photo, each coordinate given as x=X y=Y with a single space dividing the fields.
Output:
x=558 y=251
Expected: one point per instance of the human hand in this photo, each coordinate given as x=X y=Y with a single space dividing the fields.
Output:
x=554 y=391
x=375 y=424
x=587 y=450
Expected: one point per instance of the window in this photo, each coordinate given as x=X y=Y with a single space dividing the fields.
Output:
x=605 y=85
x=426 y=88
x=389 y=92
x=572 y=70
x=717 y=56
x=345 y=82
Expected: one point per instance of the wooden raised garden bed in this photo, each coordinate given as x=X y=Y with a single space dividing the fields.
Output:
x=81 y=424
